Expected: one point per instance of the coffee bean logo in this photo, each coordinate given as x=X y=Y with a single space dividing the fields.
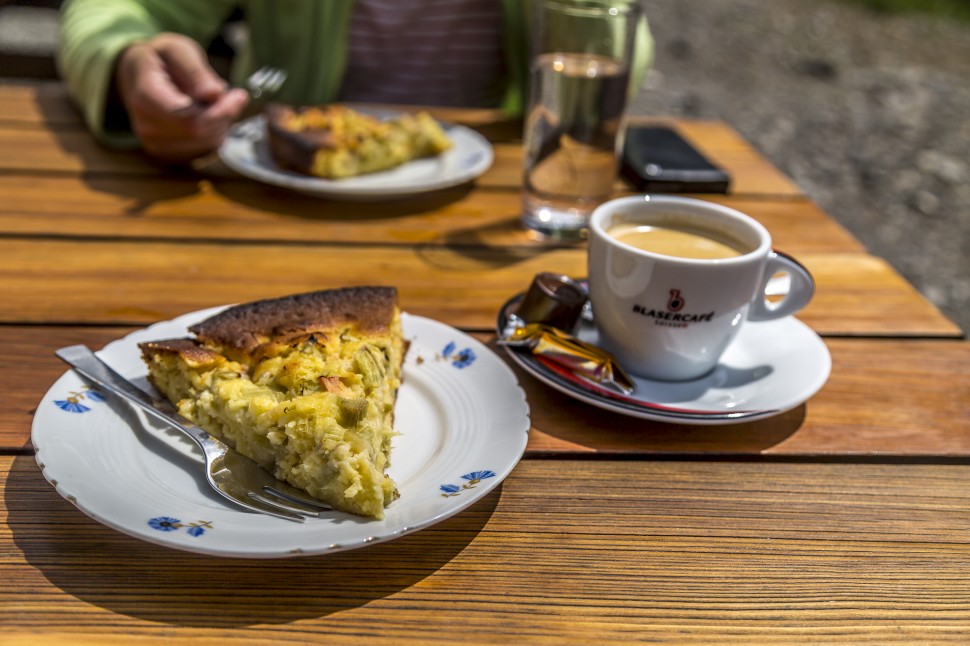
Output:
x=676 y=302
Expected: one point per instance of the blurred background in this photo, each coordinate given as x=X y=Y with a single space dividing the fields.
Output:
x=864 y=103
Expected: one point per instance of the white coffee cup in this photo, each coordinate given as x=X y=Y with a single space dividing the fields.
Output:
x=665 y=315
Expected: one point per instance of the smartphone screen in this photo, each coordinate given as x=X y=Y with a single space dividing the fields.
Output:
x=657 y=159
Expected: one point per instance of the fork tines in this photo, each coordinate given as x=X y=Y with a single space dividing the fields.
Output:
x=265 y=80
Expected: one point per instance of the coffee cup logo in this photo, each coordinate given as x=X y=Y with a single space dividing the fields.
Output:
x=673 y=317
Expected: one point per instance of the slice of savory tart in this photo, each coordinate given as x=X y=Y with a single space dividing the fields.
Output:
x=305 y=385
x=334 y=141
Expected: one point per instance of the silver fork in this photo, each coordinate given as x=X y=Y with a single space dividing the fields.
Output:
x=265 y=82
x=230 y=473
x=262 y=85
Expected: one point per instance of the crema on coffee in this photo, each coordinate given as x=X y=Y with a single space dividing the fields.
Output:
x=693 y=244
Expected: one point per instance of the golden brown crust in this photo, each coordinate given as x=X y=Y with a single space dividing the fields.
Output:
x=242 y=329
x=292 y=149
x=249 y=331
x=297 y=135
x=189 y=349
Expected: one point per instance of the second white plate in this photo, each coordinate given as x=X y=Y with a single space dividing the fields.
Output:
x=246 y=151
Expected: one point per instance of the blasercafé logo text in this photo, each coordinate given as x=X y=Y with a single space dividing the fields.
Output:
x=672 y=316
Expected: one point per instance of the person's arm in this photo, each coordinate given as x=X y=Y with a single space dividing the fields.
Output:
x=93 y=33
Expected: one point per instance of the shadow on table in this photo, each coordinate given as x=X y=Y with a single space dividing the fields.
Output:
x=110 y=171
x=282 y=201
x=111 y=570
x=492 y=246
x=564 y=426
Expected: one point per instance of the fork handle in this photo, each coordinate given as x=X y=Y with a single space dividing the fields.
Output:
x=90 y=366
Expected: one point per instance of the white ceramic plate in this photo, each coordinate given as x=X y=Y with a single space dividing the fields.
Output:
x=771 y=367
x=246 y=151
x=462 y=418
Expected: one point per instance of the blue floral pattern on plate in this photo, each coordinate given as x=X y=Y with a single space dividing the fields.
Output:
x=458 y=358
x=169 y=524
x=72 y=404
x=473 y=478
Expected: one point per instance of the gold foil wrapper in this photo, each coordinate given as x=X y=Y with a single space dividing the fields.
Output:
x=577 y=356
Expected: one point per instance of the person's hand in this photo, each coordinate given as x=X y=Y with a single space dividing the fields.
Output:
x=179 y=107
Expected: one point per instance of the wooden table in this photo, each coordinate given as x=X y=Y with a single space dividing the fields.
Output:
x=846 y=519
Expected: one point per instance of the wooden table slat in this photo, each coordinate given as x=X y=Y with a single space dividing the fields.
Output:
x=218 y=209
x=56 y=141
x=74 y=152
x=565 y=552
x=37 y=103
x=885 y=398
x=61 y=281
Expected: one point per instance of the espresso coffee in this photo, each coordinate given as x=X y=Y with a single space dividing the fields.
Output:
x=676 y=242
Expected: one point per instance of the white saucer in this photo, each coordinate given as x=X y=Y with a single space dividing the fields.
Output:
x=771 y=367
x=246 y=151
x=462 y=420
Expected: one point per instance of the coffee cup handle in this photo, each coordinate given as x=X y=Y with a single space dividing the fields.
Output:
x=800 y=291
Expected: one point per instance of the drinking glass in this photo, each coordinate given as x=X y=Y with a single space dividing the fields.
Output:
x=575 y=117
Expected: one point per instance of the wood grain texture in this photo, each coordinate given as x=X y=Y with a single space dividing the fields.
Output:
x=108 y=282
x=37 y=103
x=219 y=209
x=563 y=552
x=885 y=399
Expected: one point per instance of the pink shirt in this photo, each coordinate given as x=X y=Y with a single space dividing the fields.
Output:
x=431 y=52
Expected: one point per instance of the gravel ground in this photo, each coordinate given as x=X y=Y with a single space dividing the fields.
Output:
x=869 y=113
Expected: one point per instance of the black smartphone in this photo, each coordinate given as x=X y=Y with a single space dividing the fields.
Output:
x=656 y=159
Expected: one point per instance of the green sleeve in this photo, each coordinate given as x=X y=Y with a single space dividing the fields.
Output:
x=642 y=55
x=307 y=38
x=94 y=32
